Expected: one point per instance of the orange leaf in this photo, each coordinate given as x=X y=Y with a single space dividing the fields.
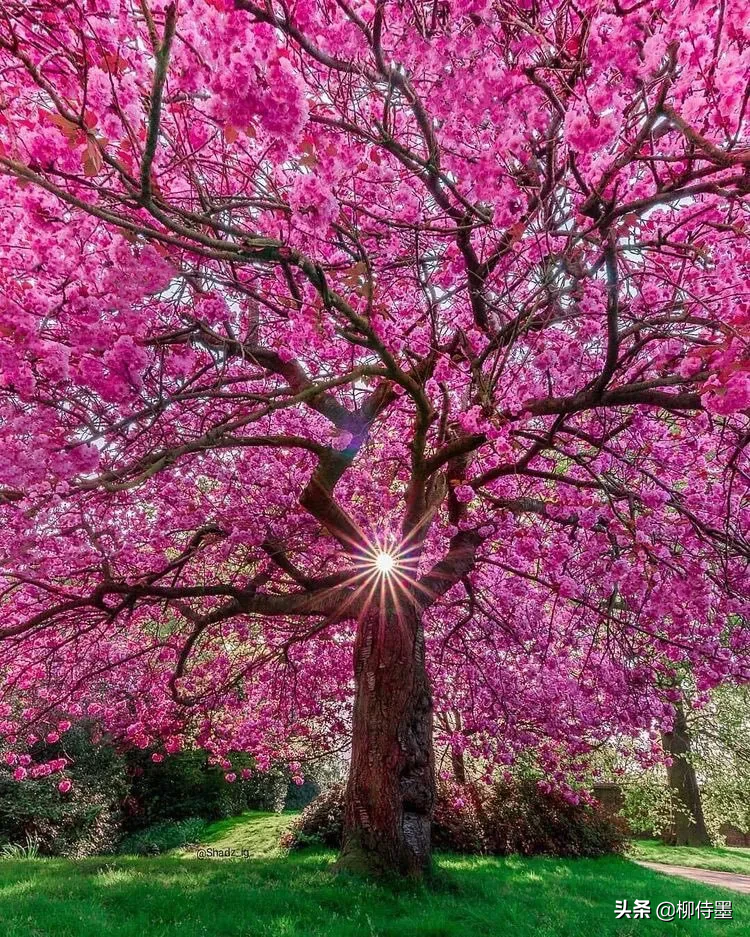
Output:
x=308 y=159
x=67 y=127
x=92 y=159
x=115 y=63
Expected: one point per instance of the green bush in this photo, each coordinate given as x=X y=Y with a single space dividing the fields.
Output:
x=161 y=837
x=472 y=818
x=84 y=821
x=119 y=793
x=299 y=796
x=186 y=785
x=180 y=787
x=647 y=802
x=319 y=775
x=267 y=790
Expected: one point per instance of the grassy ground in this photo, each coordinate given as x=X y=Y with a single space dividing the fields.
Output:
x=719 y=858
x=253 y=835
x=268 y=895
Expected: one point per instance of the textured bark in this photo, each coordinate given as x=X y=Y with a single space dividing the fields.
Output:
x=458 y=763
x=459 y=767
x=391 y=790
x=688 y=827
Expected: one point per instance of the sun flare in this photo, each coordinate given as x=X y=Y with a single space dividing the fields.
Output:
x=385 y=563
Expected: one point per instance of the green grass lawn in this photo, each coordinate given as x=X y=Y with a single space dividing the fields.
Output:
x=255 y=833
x=269 y=894
x=719 y=858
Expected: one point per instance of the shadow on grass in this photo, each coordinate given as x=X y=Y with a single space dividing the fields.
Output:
x=297 y=895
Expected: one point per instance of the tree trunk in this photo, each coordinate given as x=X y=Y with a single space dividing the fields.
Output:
x=391 y=790
x=688 y=827
x=459 y=767
x=458 y=763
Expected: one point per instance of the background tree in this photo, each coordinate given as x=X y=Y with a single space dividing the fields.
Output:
x=716 y=725
x=688 y=826
x=414 y=332
x=720 y=730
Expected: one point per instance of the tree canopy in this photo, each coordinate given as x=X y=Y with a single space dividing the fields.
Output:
x=289 y=286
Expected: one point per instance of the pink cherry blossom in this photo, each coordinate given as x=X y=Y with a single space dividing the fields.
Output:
x=328 y=331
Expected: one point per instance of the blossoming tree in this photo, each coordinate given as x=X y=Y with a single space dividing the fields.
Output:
x=372 y=354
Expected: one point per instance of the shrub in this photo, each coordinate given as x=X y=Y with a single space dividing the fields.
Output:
x=267 y=790
x=459 y=822
x=180 y=787
x=186 y=785
x=321 y=823
x=299 y=796
x=117 y=792
x=472 y=818
x=319 y=775
x=647 y=802
x=86 y=820
x=161 y=837
x=522 y=817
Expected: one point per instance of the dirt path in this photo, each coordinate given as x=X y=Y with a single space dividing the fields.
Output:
x=707 y=876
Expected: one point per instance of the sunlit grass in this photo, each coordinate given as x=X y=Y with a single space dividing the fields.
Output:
x=254 y=833
x=718 y=858
x=273 y=895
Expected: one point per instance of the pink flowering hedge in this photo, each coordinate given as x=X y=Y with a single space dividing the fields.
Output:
x=524 y=817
